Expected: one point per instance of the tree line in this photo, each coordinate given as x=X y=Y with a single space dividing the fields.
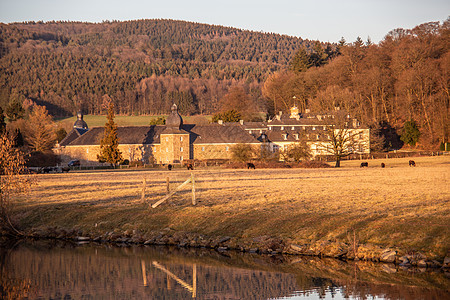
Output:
x=402 y=80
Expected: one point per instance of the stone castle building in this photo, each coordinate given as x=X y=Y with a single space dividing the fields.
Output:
x=176 y=142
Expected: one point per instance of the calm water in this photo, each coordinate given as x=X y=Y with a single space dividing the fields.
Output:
x=44 y=270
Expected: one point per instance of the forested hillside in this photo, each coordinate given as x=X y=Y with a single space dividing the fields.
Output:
x=399 y=86
x=144 y=66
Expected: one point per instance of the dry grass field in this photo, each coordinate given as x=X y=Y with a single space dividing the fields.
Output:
x=398 y=206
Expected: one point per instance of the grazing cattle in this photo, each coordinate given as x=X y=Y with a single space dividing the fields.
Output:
x=364 y=164
x=383 y=165
x=190 y=167
x=412 y=163
x=250 y=166
x=169 y=167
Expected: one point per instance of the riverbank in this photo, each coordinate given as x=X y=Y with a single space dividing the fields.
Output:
x=397 y=214
x=40 y=269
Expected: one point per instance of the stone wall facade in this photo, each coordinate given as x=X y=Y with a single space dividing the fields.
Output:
x=216 y=151
x=174 y=148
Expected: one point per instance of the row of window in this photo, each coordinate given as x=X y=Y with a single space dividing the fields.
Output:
x=302 y=127
x=227 y=148
x=297 y=136
x=315 y=147
x=181 y=139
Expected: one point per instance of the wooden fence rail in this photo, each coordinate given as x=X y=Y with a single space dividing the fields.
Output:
x=179 y=188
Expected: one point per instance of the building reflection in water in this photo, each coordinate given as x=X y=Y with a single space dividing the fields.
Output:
x=41 y=270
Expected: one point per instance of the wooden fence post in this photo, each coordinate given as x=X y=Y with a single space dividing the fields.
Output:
x=194 y=281
x=144 y=183
x=194 y=201
x=144 y=274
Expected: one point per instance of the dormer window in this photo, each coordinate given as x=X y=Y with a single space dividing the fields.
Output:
x=285 y=136
x=282 y=127
x=296 y=136
x=292 y=128
x=250 y=131
x=318 y=136
x=270 y=127
x=314 y=128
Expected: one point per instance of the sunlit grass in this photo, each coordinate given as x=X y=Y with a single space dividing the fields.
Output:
x=98 y=121
x=398 y=206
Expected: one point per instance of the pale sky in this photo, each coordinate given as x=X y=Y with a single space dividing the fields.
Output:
x=324 y=20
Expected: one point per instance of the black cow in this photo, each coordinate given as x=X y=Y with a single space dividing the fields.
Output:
x=190 y=167
x=169 y=167
x=250 y=166
x=412 y=163
x=364 y=164
x=383 y=165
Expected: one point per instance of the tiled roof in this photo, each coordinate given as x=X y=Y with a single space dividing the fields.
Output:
x=72 y=135
x=126 y=135
x=200 y=134
x=215 y=133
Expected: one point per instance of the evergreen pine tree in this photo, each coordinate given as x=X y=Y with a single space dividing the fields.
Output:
x=301 y=61
x=109 y=145
x=410 y=133
x=39 y=133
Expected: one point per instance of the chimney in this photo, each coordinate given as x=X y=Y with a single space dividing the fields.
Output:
x=336 y=108
x=220 y=122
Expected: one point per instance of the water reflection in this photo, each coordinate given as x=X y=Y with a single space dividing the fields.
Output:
x=43 y=270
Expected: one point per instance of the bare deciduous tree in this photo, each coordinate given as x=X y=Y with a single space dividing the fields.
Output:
x=12 y=165
x=242 y=152
x=344 y=138
x=297 y=152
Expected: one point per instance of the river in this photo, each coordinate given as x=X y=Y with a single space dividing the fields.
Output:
x=61 y=270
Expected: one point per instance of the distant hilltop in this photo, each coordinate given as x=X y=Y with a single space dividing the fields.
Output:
x=69 y=65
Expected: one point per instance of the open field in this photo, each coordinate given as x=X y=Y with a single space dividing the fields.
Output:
x=99 y=121
x=400 y=206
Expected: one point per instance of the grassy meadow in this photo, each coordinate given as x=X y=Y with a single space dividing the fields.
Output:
x=399 y=206
x=122 y=120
